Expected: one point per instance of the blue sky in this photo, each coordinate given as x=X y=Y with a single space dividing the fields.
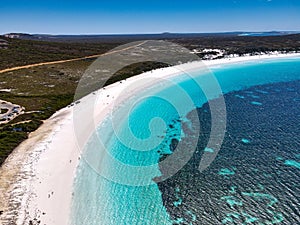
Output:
x=155 y=16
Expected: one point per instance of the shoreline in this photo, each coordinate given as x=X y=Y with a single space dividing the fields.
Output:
x=38 y=176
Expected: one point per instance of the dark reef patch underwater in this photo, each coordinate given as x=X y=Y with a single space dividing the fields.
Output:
x=255 y=177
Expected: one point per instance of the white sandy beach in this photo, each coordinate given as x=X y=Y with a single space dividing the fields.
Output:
x=39 y=174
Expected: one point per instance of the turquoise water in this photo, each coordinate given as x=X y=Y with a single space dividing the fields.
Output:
x=112 y=189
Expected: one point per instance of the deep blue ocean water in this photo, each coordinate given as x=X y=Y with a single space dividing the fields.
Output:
x=253 y=180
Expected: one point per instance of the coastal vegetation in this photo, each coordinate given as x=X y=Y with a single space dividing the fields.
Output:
x=23 y=52
x=30 y=49
x=241 y=45
x=134 y=69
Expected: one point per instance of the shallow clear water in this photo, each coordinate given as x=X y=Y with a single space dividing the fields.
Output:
x=224 y=193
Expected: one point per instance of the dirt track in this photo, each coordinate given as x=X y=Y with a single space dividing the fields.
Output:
x=67 y=60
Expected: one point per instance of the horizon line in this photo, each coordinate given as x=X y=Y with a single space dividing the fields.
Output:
x=152 y=33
